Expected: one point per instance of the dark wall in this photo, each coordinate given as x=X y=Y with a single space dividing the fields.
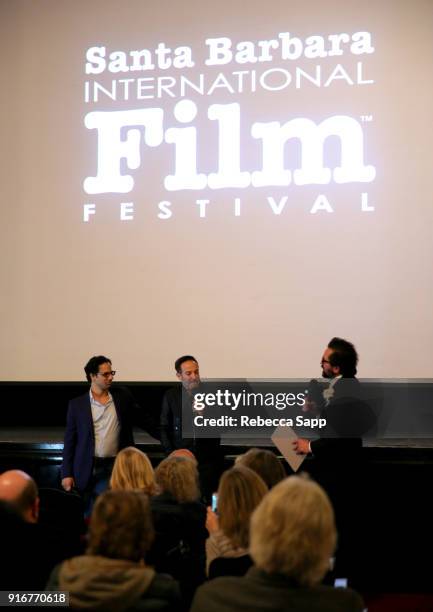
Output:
x=35 y=404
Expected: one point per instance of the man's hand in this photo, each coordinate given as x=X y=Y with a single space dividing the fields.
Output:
x=302 y=446
x=212 y=523
x=68 y=483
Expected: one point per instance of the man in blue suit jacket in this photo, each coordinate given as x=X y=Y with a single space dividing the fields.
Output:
x=98 y=425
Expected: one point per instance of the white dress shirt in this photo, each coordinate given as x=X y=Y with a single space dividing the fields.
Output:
x=105 y=426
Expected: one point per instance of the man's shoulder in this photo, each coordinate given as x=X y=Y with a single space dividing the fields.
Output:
x=173 y=394
x=121 y=392
x=348 y=381
x=80 y=400
x=347 y=387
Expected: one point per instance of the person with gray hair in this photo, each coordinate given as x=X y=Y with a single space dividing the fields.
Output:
x=292 y=540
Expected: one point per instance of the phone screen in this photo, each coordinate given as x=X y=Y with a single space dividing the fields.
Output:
x=214 y=502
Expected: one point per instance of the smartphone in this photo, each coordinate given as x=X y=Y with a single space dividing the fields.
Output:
x=214 y=502
x=340 y=583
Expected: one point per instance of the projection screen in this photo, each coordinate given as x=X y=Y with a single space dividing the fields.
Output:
x=236 y=180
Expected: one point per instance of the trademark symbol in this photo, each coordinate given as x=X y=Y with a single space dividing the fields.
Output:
x=366 y=118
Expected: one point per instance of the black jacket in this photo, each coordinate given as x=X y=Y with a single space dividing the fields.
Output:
x=178 y=431
x=348 y=418
x=259 y=591
x=179 y=545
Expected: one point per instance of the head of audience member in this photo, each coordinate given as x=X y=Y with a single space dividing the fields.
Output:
x=19 y=490
x=240 y=491
x=99 y=372
x=121 y=526
x=293 y=531
x=339 y=359
x=178 y=476
x=183 y=452
x=132 y=470
x=265 y=463
x=187 y=371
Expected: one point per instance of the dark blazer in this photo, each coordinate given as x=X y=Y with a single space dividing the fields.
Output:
x=79 y=443
x=259 y=591
x=171 y=420
x=173 y=427
x=348 y=417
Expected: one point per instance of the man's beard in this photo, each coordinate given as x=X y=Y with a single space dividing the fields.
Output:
x=192 y=386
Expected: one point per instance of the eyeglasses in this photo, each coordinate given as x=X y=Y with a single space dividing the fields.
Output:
x=107 y=374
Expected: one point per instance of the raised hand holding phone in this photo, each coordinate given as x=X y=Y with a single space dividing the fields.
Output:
x=212 y=523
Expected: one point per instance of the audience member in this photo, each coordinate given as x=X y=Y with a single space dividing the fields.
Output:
x=293 y=537
x=112 y=575
x=179 y=518
x=178 y=477
x=183 y=452
x=20 y=490
x=29 y=551
x=239 y=493
x=132 y=470
x=265 y=463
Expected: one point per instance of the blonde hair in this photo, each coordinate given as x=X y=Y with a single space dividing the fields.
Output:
x=133 y=470
x=121 y=526
x=265 y=463
x=239 y=493
x=293 y=531
x=179 y=477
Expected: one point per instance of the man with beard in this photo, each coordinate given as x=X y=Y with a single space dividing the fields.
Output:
x=177 y=426
x=338 y=403
x=336 y=455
